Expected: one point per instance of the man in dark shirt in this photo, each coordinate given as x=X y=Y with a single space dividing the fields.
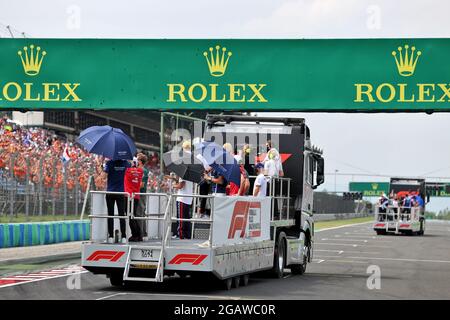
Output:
x=218 y=180
x=115 y=170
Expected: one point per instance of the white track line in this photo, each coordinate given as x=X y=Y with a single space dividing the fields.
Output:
x=336 y=251
x=348 y=245
x=346 y=261
x=351 y=236
x=379 y=258
x=401 y=259
x=354 y=240
x=345 y=251
x=41 y=279
x=343 y=226
x=318 y=260
x=170 y=295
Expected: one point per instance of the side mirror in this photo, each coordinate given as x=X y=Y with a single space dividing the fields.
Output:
x=320 y=171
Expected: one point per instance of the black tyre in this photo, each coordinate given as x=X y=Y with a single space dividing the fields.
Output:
x=228 y=283
x=301 y=268
x=236 y=282
x=116 y=279
x=279 y=256
x=422 y=229
x=245 y=278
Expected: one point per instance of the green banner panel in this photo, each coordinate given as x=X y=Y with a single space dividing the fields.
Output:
x=370 y=189
x=375 y=75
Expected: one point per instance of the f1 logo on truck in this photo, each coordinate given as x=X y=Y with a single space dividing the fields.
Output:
x=112 y=256
x=194 y=259
x=241 y=216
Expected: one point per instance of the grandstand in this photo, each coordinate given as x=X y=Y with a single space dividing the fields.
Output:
x=33 y=176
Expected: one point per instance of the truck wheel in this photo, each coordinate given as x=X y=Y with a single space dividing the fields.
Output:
x=116 y=279
x=421 y=231
x=236 y=281
x=228 y=283
x=301 y=268
x=279 y=256
x=245 y=279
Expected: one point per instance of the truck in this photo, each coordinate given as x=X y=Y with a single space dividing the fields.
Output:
x=397 y=218
x=242 y=235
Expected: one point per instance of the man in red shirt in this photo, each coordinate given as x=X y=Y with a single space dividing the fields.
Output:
x=132 y=184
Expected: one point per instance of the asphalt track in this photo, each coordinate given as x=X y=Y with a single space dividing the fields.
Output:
x=411 y=267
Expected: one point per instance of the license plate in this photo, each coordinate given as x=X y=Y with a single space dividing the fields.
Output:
x=146 y=253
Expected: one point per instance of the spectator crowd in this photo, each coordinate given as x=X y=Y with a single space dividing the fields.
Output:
x=43 y=157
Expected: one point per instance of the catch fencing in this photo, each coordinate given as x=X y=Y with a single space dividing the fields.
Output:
x=44 y=186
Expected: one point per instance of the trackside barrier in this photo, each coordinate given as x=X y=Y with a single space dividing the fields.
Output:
x=40 y=233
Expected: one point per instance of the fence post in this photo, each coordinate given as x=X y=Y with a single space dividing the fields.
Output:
x=27 y=186
x=11 y=182
x=64 y=168
x=41 y=180
x=53 y=187
x=86 y=195
x=76 y=188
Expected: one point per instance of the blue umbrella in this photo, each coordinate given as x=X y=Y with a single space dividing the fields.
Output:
x=107 y=141
x=220 y=160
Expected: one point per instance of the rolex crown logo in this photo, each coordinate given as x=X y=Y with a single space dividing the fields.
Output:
x=374 y=186
x=217 y=61
x=31 y=59
x=406 y=61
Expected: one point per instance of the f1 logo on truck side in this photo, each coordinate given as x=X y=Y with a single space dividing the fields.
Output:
x=240 y=218
x=112 y=256
x=194 y=259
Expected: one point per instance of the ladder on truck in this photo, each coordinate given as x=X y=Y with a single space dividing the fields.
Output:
x=160 y=248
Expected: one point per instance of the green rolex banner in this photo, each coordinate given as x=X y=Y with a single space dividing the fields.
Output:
x=376 y=75
x=370 y=189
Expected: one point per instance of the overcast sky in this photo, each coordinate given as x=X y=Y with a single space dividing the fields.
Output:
x=394 y=144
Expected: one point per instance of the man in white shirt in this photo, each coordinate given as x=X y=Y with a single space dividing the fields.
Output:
x=273 y=166
x=260 y=186
x=184 y=208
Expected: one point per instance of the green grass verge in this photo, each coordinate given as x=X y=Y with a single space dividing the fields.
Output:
x=24 y=218
x=336 y=223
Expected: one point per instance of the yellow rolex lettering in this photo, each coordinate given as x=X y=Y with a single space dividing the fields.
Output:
x=235 y=92
x=360 y=92
x=49 y=92
x=402 y=87
x=28 y=94
x=6 y=91
x=257 y=92
x=71 y=87
x=203 y=91
x=179 y=91
x=424 y=93
x=391 y=92
x=446 y=91
x=214 y=94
